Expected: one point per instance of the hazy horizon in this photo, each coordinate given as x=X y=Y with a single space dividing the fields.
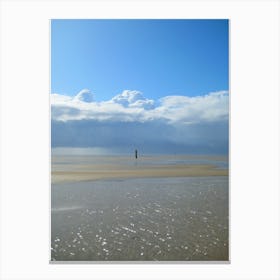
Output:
x=98 y=151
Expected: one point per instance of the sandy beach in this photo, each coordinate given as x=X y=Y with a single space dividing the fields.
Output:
x=91 y=173
x=154 y=208
x=141 y=219
x=84 y=169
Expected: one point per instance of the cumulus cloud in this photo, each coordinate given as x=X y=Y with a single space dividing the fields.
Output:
x=84 y=96
x=133 y=106
x=133 y=99
x=173 y=123
x=210 y=107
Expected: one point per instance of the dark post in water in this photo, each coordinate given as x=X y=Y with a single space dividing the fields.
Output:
x=136 y=154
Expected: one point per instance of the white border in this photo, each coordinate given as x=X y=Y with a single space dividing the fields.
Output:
x=254 y=137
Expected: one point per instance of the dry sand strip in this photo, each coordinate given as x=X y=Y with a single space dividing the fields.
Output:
x=113 y=172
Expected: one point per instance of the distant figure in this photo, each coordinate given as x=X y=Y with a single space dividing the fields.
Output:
x=136 y=154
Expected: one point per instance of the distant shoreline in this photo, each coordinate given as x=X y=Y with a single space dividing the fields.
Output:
x=98 y=152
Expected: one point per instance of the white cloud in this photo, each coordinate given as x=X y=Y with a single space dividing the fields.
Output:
x=172 y=124
x=133 y=99
x=133 y=106
x=210 y=107
x=84 y=96
x=59 y=99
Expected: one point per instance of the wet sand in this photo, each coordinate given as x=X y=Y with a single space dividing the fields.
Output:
x=82 y=169
x=158 y=208
x=155 y=219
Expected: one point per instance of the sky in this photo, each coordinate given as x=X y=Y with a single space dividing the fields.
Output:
x=159 y=85
x=156 y=57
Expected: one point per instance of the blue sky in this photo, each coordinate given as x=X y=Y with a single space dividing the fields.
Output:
x=156 y=57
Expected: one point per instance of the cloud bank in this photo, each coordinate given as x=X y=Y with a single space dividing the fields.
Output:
x=171 y=124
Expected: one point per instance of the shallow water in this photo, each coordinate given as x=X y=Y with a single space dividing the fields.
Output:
x=145 y=160
x=170 y=219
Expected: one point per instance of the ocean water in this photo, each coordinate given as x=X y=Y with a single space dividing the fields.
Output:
x=155 y=219
x=60 y=157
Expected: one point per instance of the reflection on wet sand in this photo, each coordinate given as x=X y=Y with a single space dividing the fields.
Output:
x=140 y=219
